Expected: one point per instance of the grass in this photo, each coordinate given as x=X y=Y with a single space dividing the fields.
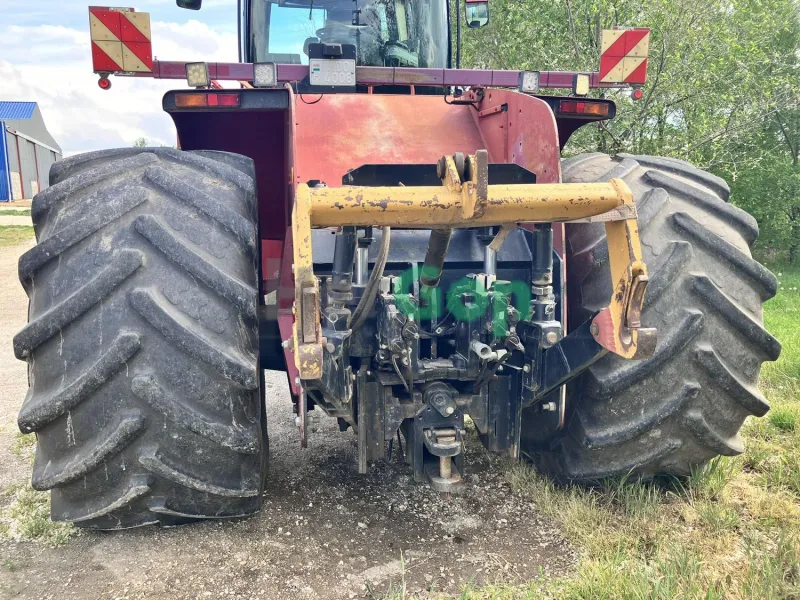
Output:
x=14 y=235
x=26 y=516
x=10 y=212
x=24 y=445
x=730 y=531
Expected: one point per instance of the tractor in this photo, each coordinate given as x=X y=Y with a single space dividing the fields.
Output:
x=402 y=238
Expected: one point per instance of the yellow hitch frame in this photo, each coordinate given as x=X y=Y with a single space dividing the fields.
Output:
x=474 y=203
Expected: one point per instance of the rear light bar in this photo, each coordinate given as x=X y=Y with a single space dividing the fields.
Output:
x=209 y=100
x=583 y=107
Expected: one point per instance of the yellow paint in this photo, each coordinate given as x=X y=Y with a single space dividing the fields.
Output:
x=608 y=37
x=454 y=204
x=113 y=49
x=308 y=352
x=99 y=32
x=424 y=207
x=626 y=265
x=629 y=65
x=642 y=49
x=132 y=63
x=139 y=20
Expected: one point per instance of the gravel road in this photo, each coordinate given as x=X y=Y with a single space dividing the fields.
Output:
x=324 y=533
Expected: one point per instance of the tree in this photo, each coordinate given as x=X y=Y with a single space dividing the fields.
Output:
x=722 y=92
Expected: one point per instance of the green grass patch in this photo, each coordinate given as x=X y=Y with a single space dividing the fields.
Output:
x=783 y=417
x=14 y=235
x=781 y=379
x=10 y=212
x=26 y=516
x=24 y=444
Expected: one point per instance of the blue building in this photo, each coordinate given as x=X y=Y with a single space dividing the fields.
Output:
x=26 y=151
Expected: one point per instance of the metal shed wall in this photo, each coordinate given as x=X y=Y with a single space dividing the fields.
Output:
x=44 y=158
x=12 y=162
x=30 y=181
x=5 y=175
x=30 y=150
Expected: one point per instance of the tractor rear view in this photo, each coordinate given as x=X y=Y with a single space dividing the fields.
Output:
x=402 y=238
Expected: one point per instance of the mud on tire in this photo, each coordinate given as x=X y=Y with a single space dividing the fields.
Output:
x=142 y=341
x=687 y=403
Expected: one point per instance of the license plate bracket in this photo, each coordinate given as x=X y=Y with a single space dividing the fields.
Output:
x=331 y=69
x=332 y=72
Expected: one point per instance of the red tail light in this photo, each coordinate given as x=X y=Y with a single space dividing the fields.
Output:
x=206 y=100
x=583 y=107
x=223 y=99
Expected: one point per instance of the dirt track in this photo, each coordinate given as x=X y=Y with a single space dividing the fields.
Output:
x=325 y=532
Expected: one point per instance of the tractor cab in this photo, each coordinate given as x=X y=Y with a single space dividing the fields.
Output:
x=385 y=33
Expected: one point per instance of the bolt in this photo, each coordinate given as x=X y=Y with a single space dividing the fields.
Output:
x=551 y=337
x=550 y=406
x=441 y=167
x=449 y=410
x=330 y=348
x=439 y=331
x=285 y=343
x=594 y=329
x=527 y=368
x=445 y=467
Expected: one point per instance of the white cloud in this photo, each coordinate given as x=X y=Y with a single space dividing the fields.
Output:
x=56 y=72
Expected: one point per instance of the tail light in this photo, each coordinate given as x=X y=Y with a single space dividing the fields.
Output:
x=583 y=107
x=211 y=100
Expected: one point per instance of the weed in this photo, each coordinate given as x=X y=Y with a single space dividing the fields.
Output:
x=756 y=455
x=784 y=472
x=717 y=516
x=24 y=443
x=707 y=481
x=773 y=568
x=28 y=517
x=783 y=417
x=637 y=499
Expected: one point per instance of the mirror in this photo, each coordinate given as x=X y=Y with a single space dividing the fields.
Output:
x=477 y=13
x=190 y=4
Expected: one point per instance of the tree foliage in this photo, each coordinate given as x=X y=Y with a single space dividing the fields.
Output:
x=723 y=87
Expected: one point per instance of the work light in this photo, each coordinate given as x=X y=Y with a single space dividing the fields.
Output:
x=529 y=82
x=265 y=74
x=197 y=75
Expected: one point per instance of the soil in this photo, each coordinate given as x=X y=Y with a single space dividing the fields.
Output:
x=325 y=532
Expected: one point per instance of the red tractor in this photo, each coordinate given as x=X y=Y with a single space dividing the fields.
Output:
x=390 y=232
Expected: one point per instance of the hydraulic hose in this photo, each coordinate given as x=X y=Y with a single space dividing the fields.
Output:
x=438 y=244
x=360 y=314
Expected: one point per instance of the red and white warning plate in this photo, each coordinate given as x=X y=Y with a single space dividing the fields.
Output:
x=120 y=40
x=623 y=55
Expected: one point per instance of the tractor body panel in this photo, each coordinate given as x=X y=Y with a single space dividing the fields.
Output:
x=296 y=139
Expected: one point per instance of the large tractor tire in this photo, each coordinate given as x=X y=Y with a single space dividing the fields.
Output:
x=686 y=404
x=142 y=341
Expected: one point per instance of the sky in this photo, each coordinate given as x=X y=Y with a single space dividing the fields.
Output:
x=45 y=57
